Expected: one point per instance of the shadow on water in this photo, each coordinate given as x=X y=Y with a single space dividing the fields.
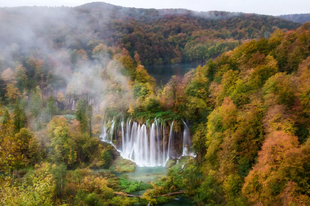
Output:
x=163 y=73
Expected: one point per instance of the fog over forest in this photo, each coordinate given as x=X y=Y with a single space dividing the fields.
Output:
x=84 y=122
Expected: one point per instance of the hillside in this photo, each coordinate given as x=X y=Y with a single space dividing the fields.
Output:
x=177 y=35
x=299 y=18
x=251 y=108
x=164 y=36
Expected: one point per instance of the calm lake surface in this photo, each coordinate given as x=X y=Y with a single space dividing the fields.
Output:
x=145 y=174
x=163 y=73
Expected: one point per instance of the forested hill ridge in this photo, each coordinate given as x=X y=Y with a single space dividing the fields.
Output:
x=166 y=36
x=148 y=15
x=299 y=18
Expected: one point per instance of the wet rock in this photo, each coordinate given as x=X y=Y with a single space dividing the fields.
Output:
x=123 y=165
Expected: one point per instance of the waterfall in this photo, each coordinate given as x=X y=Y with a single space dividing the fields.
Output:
x=187 y=142
x=123 y=138
x=146 y=146
x=126 y=143
x=104 y=134
x=152 y=145
x=112 y=131
x=164 y=148
x=73 y=105
x=158 y=141
x=169 y=143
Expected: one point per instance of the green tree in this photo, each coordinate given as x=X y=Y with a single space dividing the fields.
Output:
x=14 y=152
x=59 y=175
x=21 y=77
x=6 y=117
x=81 y=115
x=35 y=104
x=37 y=190
x=19 y=117
x=58 y=132
x=90 y=116
x=51 y=108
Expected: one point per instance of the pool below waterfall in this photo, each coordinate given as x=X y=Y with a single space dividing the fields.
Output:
x=145 y=174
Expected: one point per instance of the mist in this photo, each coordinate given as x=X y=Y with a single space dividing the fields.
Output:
x=56 y=38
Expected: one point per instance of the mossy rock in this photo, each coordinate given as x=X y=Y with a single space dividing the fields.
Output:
x=179 y=164
x=123 y=165
x=171 y=163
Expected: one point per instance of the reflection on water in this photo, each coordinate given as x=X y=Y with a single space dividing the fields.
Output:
x=145 y=174
x=163 y=73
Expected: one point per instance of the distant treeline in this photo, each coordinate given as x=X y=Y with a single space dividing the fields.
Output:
x=168 y=36
x=299 y=18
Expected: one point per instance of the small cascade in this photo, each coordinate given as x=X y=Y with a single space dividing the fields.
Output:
x=123 y=136
x=169 y=144
x=164 y=147
x=158 y=140
x=147 y=146
x=104 y=134
x=112 y=131
x=187 y=142
x=73 y=105
x=152 y=145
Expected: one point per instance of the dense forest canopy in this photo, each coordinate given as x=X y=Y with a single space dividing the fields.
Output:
x=167 y=36
x=65 y=72
x=253 y=139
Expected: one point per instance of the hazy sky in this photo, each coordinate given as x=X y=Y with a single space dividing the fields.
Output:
x=272 y=7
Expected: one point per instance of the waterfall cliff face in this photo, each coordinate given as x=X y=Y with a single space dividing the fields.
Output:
x=149 y=146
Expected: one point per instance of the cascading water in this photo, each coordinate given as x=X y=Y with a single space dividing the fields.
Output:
x=169 y=144
x=187 y=142
x=73 y=105
x=146 y=146
x=112 y=131
x=123 y=138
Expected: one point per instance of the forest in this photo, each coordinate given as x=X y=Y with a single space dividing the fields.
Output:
x=74 y=73
x=158 y=36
